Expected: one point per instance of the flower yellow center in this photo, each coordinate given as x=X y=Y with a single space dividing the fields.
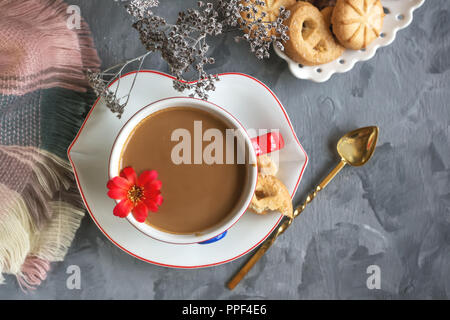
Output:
x=135 y=194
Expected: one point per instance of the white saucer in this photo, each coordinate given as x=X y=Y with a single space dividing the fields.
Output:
x=249 y=100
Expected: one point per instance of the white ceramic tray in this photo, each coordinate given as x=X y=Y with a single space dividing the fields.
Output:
x=399 y=14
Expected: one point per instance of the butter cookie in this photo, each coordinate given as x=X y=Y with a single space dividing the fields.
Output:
x=266 y=165
x=356 y=23
x=310 y=39
x=327 y=13
x=322 y=4
x=269 y=12
x=270 y=195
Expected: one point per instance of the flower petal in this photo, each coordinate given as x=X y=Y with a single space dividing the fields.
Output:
x=118 y=182
x=153 y=185
x=111 y=184
x=123 y=208
x=129 y=174
x=146 y=177
x=151 y=205
x=159 y=200
x=151 y=193
x=140 y=212
x=117 y=194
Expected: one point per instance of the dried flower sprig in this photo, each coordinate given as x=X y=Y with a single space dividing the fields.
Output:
x=251 y=17
x=141 y=8
x=184 y=46
x=101 y=82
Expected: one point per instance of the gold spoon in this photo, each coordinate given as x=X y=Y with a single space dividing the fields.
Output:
x=355 y=149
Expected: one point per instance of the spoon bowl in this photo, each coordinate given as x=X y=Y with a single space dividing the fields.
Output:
x=358 y=146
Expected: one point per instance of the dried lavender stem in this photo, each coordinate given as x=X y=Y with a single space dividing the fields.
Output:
x=184 y=47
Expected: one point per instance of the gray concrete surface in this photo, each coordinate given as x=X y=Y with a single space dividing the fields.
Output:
x=394 y=212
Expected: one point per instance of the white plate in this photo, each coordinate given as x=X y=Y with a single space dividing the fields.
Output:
x=249 y=100
x=399 y=14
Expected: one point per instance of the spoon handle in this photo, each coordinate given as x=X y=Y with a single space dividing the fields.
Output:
x=332 y=174
x=285 y=223
x=256 y=256
x=320 y=187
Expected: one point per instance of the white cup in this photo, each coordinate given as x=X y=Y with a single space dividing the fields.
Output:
x=250 y=184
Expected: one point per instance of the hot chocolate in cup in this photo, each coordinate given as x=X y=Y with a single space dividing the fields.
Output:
x=205 y=190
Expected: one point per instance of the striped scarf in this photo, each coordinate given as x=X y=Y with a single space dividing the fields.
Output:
x=43 y=99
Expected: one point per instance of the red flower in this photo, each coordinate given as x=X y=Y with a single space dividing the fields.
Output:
x=137 y=195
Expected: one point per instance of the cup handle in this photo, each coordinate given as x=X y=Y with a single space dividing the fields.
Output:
x=268 y=143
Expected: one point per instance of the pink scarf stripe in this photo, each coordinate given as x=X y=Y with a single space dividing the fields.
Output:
x=33 y=272
x=39 y=51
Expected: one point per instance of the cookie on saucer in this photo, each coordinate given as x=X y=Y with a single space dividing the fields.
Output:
x=270 y=195
x=266 y=165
